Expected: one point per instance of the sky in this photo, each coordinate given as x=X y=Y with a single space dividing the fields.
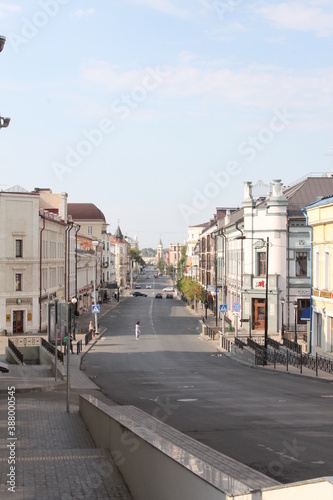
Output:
x=158 y=111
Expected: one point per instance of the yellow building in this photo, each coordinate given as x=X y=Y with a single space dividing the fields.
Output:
x=320 y=219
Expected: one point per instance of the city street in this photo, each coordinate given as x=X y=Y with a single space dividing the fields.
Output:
x=277 y=423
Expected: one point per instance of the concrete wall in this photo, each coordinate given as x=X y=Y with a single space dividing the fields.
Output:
x=156 y=463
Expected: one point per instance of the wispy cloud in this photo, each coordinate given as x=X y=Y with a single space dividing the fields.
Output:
x=6 y=8
x=86 y=12
x=316 y=17
x=262 y=87
x=169 y=7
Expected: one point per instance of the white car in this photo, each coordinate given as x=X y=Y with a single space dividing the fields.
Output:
x=168 y=289
x=148 y=286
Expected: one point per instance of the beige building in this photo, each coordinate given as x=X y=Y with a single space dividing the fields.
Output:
x=320 y=219
x=33 y=267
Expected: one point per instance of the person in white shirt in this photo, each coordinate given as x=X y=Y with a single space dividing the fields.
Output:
x=137 y=330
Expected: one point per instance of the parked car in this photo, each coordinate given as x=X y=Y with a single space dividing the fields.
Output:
x=148 y=286
x=158 y=296
x=137 y=286
x=168 y=289
x=139 y=294
x=169 y=296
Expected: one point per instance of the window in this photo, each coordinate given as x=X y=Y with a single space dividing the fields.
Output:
x=301 y=263
x=261 y=263
x=316 y=269
x=18 y=282
x=326 y=283
x=18 y=248
x=89 y=229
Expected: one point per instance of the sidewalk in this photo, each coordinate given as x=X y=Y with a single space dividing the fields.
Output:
x=51 y=453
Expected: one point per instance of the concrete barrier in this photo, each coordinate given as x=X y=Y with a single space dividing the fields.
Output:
x=157 y=461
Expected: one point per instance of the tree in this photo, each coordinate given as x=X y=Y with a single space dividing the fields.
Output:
x=160 y=265
x=135 y=254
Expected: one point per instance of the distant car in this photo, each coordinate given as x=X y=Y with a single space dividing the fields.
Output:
x=147 y=277
x=139 y=294
x=156 y=276
x=158 y=296
x=137 y=286
x=148 y=286
x=168 y=289
x=169 y=296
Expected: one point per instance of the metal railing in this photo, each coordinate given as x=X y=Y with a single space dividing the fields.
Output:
x=16 y=351
x=288 y=358
x=51 y=348
x=239 y=343
x=78 y=346
x=292 y=345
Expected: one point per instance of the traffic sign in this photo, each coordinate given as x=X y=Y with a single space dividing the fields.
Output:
x=223 y=308
x=95 y=309
x=236 y=306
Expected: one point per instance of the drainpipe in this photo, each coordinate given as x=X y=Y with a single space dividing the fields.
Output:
x=287 y=275
x=40 y=270
x=241 y=280
x=77 y=229
x=311 y=276
x=65 y=280
x=71 y=224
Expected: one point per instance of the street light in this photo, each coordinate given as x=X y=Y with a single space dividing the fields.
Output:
x=4 y=122
x=2 y=42
x=295 y=308
x=282 y=310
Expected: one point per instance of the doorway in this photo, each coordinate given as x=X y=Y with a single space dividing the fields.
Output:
x=258 y=313
x=18 y=322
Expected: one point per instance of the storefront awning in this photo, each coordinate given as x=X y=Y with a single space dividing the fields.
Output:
x=306 y=314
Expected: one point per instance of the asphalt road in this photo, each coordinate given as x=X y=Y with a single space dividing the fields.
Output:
x=277 y=423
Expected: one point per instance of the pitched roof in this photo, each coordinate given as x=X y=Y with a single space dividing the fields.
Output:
x=85 y=212
x=118 y=234
x=307 y=191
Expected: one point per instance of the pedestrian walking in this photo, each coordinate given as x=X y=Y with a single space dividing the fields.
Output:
x=91 y=329
x=137 y=330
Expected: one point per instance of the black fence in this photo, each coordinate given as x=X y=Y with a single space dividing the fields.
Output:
x=287 y=357
x=51 y=348
x=16 y=351
x=293 y=346
x=239 y=343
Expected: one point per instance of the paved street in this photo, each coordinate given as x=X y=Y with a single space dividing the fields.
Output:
x=275 y=422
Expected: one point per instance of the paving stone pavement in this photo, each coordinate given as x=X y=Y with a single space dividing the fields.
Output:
x=51 y=449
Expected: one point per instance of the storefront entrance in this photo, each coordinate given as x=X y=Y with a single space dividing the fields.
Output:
x=18 y=326
x=258 y=314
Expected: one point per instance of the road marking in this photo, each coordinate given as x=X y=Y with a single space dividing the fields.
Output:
x=329 y=396
x=186 y=400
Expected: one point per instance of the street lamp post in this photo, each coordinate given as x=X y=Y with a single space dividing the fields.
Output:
x=4 y=122
x=282 y=311
x=295 y=309
x=74 y=302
